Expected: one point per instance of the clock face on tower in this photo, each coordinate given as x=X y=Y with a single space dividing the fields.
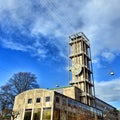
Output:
x=76 y=69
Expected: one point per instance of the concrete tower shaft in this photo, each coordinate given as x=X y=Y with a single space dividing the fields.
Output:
x=80 y=67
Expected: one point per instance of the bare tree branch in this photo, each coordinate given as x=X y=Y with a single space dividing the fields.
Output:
x=18 y=83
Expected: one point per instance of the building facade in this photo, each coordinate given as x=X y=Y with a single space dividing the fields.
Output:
x=109 y=112
x=74 y=102
x=42 y=104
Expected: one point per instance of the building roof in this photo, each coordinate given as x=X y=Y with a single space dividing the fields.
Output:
x=105 y=103
x=61 y=87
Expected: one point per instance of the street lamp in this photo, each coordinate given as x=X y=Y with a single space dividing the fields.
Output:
x=112 y=73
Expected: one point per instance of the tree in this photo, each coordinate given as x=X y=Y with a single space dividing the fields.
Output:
x=18 y=83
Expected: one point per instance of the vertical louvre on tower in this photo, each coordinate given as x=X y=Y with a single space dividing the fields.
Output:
x=80 y=67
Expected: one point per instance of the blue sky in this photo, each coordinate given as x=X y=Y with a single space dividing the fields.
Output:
x=34 y=38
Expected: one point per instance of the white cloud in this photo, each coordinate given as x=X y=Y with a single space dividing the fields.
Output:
x=109 y=56
x=56 y=20
x=36 y=50
x=96 y=61
x=12 y=45
x=108 y=90
x=99 y=20
x=40 y=53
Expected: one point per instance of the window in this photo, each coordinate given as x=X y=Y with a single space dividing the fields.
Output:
x=47 y=99
x=29 y=101
x=36 y=114
x=46 y=113
x=63 y=101
x=27 y=115
x=38 y=100
x=57 y=100
x=56 y=114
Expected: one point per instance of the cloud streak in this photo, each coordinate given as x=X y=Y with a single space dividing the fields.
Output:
x=57 y=20
x=108 y=90
x=100 y=26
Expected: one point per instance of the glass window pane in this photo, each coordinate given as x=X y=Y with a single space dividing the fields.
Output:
x=29 y=101
x=57 y=100
x=63 y=115
x=46 y=114
x=57 y=115
x=37 y=114
x=27 y=115
x=47 y=99
x=37 y=100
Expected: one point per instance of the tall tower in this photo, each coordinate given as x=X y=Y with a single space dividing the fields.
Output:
x=80 y=67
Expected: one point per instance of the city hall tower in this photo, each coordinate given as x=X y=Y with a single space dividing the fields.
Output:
x=80 y=67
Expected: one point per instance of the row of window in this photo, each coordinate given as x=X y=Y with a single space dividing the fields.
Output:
x=72 y=103
x=47 y=99
x=38 y=100
x=46 y=114
x=35 y=114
